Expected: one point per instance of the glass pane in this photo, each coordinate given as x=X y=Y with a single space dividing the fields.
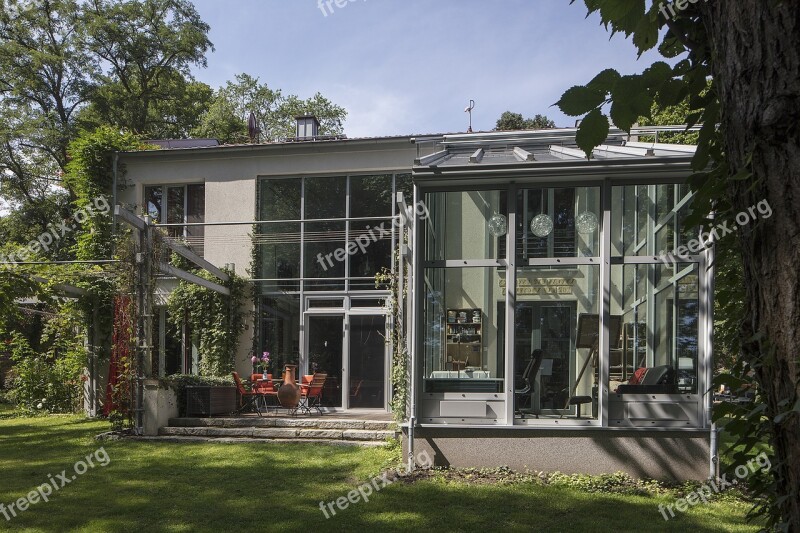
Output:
x=280 y=331
x=338 y=302
x=279 y=246
x=558 y=222
x=280 y=199
x=325 y=250
x=175 y=210
x=325 y=338
x=404 y=185
x=370 y=196
x=458 y=225
x=369 y=302
x=374 y=251
x=556 y=333
x=325 y=198
x=464 y=351
x=173 y=351
x=154 y=201
x=324 y=284
x=367 y=360
x=195 y=213
x=646 y=221
x=659 y=306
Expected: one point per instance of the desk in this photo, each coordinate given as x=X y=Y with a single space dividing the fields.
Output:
x=461 y=374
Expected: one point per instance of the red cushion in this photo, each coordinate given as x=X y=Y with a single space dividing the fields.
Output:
x=638 y=376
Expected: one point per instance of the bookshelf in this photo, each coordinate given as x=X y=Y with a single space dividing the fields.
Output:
x=463 y=338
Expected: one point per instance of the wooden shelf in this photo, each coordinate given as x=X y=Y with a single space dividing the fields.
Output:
x=463 y=338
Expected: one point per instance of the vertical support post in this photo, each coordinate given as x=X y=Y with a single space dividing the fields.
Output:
x=144 y=312
x=605 y=302
x=510 y=303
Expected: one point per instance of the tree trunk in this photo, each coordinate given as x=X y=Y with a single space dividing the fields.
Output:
x=756 y=66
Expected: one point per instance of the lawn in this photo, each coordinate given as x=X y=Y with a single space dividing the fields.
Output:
x=147 y=486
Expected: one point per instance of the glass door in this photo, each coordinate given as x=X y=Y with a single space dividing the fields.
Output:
x=367 y=361
x=545 y=326
x=325 y=338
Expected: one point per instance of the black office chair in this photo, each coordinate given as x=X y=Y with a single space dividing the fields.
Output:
x=529 y=378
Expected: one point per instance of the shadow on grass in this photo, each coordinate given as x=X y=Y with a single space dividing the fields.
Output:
x=279 y=487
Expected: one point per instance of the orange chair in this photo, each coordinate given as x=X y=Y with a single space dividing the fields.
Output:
x=311 y=396
x=247 y=398
x=305 y=381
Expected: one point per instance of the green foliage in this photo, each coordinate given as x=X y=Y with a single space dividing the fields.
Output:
x=400 y=370
x=90 y=173
x=687 y=93
x=669 y=116
x=226 y=119
x=49 y=382
x=215 y=320
x=149 y=48
x=750 y=430
x=509 y=121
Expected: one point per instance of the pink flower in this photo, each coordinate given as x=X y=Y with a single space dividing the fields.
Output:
x=254 y=359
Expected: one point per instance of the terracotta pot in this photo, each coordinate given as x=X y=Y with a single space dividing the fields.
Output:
x=289 y=393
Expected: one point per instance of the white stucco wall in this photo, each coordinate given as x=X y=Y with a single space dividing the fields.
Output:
x=230 y=175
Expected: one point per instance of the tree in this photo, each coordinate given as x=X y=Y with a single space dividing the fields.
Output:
x=149 y=47
x=509 y=121
x=227 y=117
x=747 y=152
x=47 y=77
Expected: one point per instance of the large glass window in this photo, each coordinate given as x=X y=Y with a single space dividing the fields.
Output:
x=659 y=306
x=558 y=222
x=650 y=219
x=556 y=340
x=280 y=330
x=340 y=228
x=463 y=349
x=179 y=204
x=658 y=348
x=459 y=225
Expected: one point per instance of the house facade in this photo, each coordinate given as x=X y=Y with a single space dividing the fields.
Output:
x=558 y=312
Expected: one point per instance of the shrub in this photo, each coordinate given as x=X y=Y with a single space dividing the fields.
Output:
x=44 y=383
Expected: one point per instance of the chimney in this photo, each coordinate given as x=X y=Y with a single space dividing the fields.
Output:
x=307 y=127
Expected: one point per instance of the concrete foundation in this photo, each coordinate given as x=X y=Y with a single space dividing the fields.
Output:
x=160 y=405
x=664 y=455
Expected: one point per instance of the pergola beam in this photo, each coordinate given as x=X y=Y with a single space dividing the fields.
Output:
x=191 y=278
x=196 y=259
x=130 y=218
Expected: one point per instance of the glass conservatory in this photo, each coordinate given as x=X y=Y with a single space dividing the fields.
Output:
x=551 y=290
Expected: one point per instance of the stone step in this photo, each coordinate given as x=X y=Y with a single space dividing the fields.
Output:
x=304 y=433
x=241 y=440
x=269 y=422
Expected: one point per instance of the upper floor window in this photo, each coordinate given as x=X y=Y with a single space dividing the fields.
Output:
x=179 y=204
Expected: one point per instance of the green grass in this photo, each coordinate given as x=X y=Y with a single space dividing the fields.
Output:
x=277 y=487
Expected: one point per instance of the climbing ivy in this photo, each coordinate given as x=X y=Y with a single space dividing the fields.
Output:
x=216 y=320
x=400 y=376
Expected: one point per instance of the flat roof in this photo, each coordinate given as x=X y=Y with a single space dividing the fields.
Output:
x=546 y=146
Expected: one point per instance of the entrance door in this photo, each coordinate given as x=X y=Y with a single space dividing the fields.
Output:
x=367 y=358
x=548 y=326
x=354 y=357
x=325 y=338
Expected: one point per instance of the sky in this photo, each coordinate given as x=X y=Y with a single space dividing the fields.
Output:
x=403 y=67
